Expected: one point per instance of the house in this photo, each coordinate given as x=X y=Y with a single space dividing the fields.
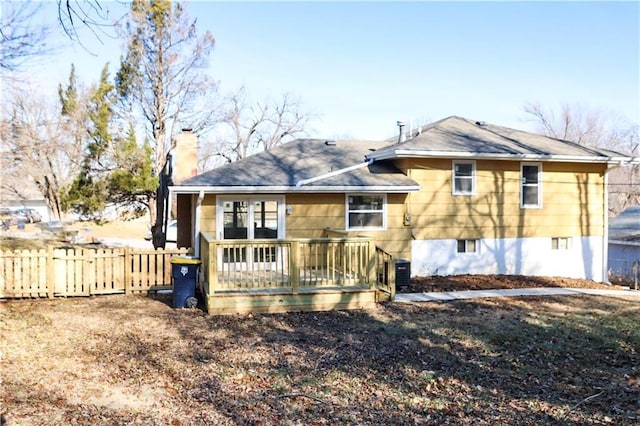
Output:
x=26 y=196
x=454 y=197
x=624 y=246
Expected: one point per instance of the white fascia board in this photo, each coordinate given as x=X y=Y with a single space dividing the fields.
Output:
x=480 y=156
x=332 y=189
x=290 y=189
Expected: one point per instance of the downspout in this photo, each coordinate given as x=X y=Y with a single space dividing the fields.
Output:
x=605 y=238
x=167 y=217
x=196 y=225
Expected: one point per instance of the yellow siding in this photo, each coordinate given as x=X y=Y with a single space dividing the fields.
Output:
x=572 y=201
x=208 y=214
x=572 y=205
x=312 y=214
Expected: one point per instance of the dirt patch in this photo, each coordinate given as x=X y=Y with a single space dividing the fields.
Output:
x=134 y=360
x=491 y=282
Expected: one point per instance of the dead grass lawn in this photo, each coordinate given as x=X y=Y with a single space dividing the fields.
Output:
x=126 y=360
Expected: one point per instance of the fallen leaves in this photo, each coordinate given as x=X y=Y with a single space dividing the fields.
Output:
x=137 y=361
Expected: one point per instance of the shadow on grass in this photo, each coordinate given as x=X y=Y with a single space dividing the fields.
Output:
x=492 y=361
x=530 y=360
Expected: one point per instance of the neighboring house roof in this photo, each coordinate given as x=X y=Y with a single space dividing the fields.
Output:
x=25 y=191
x=626 y=226
x=305 y=165
x=456 y=137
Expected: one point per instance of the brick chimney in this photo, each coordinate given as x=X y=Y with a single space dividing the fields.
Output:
x=185 y=156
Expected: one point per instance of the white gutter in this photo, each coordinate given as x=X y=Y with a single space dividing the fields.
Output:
x=196 y=226
x=605 y=234
x=403 y=153
x=167 y=217
x=398 y=189
x=334 y=173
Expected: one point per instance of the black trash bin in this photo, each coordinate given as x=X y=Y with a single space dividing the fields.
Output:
x=403 y=274
x=184 y=271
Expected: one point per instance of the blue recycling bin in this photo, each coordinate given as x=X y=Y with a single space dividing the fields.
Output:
x=184 y=271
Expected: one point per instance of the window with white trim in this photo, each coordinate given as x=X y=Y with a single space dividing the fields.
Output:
x=464 y=177
x=366 y=211
x=467 y=246
x=531 y=185
x=560 y=243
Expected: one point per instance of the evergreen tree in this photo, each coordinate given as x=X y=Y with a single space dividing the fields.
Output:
x=161 y=74
x=115 y=169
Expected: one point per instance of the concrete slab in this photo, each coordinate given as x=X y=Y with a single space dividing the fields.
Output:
x=477 y=294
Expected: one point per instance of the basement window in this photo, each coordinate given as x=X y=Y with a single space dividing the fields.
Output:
x=464 y=177
x=467 y=246
x=366 y=212
x=560 y=243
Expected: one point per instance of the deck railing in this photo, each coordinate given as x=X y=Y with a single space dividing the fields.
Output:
x=385 y=272
x=290 y=265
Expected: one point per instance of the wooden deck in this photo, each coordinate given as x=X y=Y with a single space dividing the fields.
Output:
x=242 y=276
x=284 y=300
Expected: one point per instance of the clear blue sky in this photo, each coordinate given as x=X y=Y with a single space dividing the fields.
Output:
x=363 y=66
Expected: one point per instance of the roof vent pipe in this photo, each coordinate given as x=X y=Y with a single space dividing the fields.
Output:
x=401 y=136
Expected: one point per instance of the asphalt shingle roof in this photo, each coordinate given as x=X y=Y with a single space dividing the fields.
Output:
x=626 y=226
x=314 y=162
x=302 y=159
x=460 y=135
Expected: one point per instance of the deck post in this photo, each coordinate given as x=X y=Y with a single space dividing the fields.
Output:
x=294 y=268
x=392 y=278
x=212 y=279
x=344 y=248
x=371 y=264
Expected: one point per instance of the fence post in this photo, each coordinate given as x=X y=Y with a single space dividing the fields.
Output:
x=89 y=281
x=635 y=268
x=127 y=270
x=51 y=273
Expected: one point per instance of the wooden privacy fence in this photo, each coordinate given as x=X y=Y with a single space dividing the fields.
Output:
x=83 y=272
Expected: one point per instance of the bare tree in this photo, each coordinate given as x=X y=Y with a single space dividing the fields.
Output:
x=161 y=75
x=34 y=148
x=624 y=181
x=163 y=81
x=246 y=129
x=596 y=128
x=89 y=14
x=20 y=39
